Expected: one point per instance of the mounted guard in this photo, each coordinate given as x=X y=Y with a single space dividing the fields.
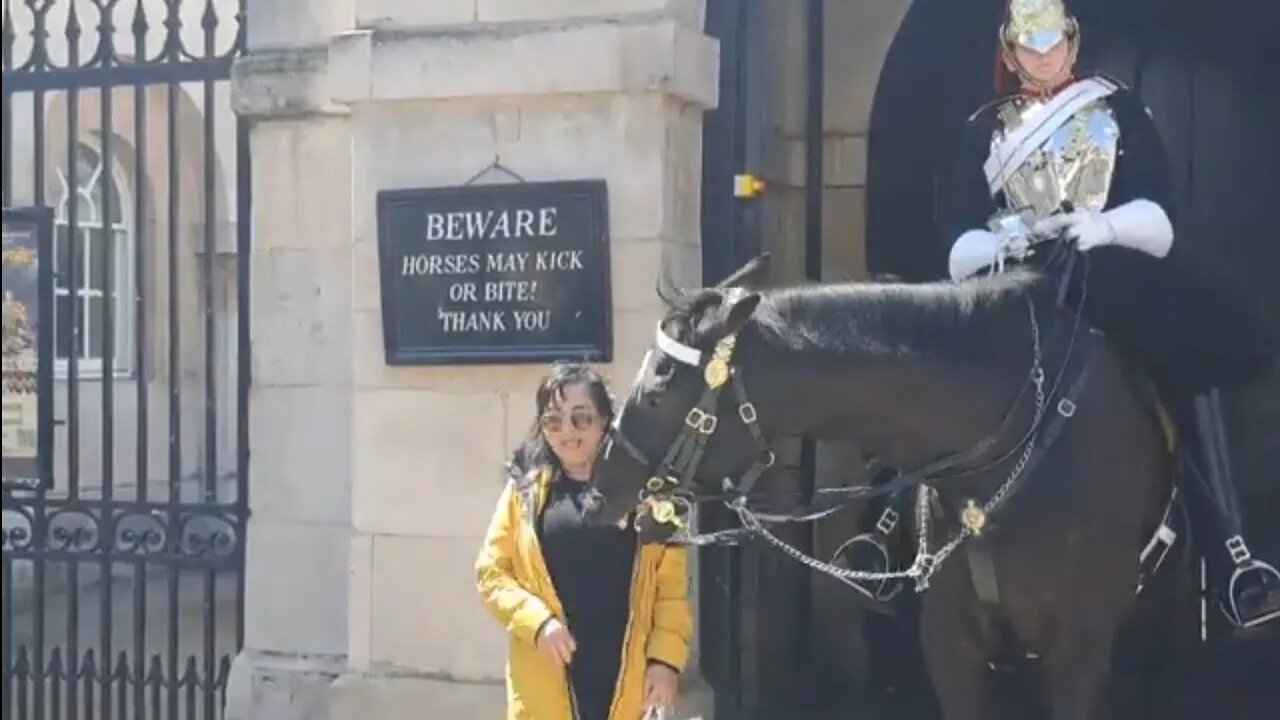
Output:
x=1078 y=159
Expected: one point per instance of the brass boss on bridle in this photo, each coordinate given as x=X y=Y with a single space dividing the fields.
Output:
x=671 y=480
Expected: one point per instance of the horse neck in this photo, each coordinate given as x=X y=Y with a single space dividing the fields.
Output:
x=904 y=405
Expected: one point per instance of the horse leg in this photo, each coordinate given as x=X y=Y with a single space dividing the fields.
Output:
x=955 y=656
x=1076 y=671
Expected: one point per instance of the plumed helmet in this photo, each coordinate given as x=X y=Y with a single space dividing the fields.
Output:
x=1037 y=25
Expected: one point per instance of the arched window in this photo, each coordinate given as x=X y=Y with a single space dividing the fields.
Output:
x=104 y=277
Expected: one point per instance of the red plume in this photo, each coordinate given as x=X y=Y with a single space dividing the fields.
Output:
x=1005 y=81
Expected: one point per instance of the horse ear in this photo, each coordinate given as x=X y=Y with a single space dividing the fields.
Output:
x=741 y=305
x=748 y=274
x=663 y=289
x=666 y=290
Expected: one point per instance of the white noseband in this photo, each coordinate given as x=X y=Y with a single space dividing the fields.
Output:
x=677 y=350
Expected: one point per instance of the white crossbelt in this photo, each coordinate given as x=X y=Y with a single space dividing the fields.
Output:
x=1015 y=148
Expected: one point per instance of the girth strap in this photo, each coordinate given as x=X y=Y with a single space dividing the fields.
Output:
x=982 y=568
x=982 y=571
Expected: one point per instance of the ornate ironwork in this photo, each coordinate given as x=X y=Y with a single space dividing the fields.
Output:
x=92 y=54
x=122 y=583
x=205 y=535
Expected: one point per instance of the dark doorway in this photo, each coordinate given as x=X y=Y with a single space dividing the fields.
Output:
x=1200 y=68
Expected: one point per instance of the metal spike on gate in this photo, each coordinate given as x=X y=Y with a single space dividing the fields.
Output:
x=53 y=670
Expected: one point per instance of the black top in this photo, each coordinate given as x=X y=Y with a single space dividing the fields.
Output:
x=1170 y=316
x=591 y=570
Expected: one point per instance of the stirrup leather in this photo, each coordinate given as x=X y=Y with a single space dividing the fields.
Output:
x=1245 y=563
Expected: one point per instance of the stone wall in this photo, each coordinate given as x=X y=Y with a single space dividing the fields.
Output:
x=372 y=485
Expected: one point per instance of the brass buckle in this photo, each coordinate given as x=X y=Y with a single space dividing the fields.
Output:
x=973 y=518
x=704 y=423
x=716 y=373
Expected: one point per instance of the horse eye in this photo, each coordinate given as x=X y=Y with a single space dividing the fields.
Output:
x=664 y=369
x=655 y=385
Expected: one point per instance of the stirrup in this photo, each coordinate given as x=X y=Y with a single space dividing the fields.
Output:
x=882 y=590
x=1245 y=564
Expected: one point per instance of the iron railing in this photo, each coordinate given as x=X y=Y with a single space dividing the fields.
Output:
x=123 y=575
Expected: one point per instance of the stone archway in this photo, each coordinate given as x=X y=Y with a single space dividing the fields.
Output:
x=1199 y=67
x=937 y=71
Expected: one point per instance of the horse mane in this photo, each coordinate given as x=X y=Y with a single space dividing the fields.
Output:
x=945 y=320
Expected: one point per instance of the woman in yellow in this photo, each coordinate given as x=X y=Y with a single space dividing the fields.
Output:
x=599 y=623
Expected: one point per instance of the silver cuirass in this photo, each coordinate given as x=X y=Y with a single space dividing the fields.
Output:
x=1075 y=164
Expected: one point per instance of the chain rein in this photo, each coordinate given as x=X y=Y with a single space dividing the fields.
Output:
x=926 y=563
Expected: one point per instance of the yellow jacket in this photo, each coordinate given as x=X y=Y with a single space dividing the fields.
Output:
x=515 y=587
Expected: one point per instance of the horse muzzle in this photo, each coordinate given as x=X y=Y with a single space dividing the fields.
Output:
x=595 y=508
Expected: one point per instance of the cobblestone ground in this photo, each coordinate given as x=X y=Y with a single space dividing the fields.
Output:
x=1237 y=682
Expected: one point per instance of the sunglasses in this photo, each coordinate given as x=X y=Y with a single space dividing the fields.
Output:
x=580 y=419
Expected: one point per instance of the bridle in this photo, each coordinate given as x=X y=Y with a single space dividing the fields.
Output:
x=665 y=489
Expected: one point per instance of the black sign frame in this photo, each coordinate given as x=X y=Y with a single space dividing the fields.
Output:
x=37 y=222
x=599 y=348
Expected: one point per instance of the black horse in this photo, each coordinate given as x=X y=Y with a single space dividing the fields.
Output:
x=1049 y=465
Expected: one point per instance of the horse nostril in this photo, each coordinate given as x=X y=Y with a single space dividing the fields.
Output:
x=593 y=501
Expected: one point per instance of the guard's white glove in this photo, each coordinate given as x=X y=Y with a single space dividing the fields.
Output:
x=977 y=249
x=1088 y=229
x=971 y=252
x=1140 y=225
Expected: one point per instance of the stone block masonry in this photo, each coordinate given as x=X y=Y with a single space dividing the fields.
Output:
x=371 y=484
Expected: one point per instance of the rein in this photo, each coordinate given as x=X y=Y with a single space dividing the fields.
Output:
x=669 y=496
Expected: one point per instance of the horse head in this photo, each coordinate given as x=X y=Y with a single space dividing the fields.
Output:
x=667 y=434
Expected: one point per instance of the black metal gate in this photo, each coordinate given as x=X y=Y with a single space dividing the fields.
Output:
x=123 y=556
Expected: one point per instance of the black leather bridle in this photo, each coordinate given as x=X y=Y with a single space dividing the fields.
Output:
x=674 y=474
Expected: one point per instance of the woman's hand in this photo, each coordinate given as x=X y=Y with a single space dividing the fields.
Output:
x=659 y=685
x=555 y=642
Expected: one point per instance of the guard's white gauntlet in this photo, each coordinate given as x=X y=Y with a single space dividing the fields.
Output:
x=1139 y=224
x=1009 y=238
x=973 y=251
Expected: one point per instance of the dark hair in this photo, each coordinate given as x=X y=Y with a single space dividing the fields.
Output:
x=534 y=451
